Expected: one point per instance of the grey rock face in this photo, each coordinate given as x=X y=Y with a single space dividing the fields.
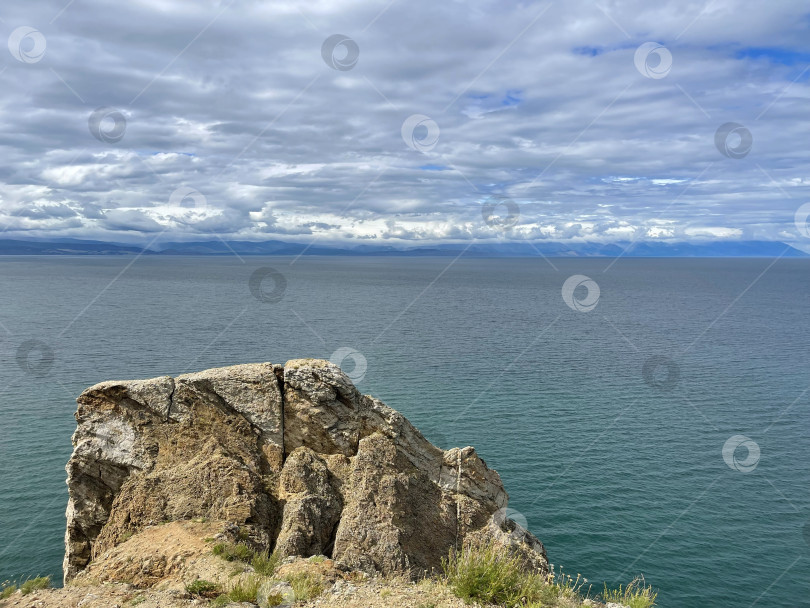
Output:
x=295 y=454
x=312 y=506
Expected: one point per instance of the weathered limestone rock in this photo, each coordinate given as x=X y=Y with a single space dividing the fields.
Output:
x=113 y=439
x=312 y=505
x=294 y=456
x=396 y=517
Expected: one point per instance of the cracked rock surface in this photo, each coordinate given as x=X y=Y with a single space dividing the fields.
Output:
x=293 y=454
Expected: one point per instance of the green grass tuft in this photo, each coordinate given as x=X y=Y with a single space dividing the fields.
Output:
x=34 y=584
x=233 y=552
x=636 y=595
x=9 y=589
x=305 y=585
x=487 y=575
x=203 y=588
x=245 y=590
x=265 y=563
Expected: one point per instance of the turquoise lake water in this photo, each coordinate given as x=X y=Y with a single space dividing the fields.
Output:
x=614 y=429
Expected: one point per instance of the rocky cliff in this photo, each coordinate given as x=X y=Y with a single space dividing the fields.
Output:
x=292 y=457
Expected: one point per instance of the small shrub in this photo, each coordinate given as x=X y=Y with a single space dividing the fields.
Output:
x=635 y=595
x=138 y=599
x=317 y=559
x=203 y=588
x=304 y=585
x=233 y=552
x=33 y=584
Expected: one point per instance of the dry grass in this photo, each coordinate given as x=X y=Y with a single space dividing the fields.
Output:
x=637 y=594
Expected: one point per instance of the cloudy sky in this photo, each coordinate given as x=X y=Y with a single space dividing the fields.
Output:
x=395 y=122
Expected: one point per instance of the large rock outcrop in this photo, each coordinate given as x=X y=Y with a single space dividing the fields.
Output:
x=293 y=455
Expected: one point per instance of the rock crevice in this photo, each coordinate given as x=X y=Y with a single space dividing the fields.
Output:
x=293 y=455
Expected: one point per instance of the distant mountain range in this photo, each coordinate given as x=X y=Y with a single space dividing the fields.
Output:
x=509 y=249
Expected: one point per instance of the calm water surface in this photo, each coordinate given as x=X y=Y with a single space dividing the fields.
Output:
x=617 y=474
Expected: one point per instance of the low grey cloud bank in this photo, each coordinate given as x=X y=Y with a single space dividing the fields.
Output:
x=400 y=122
